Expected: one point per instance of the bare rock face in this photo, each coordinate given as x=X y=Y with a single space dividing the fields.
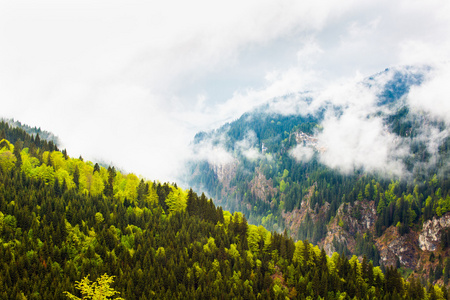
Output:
x=360 y=217
x=294 y=218
x=430 y=236
x=338 y=234
x=225 y=172
x=357 y=218
x=262 y=187
x=392 y=246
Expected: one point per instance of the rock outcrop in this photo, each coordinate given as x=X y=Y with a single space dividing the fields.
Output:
x=350 y=220
x=225 y=172
x=394 y=247
x=262 y=187
x=295 y=218
x=360 y=217
x=430 y=236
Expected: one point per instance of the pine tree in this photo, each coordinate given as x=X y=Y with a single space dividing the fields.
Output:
x=17 y=149
x=76 y=177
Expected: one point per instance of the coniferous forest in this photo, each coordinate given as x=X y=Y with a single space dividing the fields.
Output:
x=63 y=219
x=311 y=199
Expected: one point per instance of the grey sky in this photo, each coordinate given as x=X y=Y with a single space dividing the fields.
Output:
x=132 y=82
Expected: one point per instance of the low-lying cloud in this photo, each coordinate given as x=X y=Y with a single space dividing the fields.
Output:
x=433 y=96
x=356 y=141
x=211 y=150
x=354 y=132
x=247 y=147
x=302 y=153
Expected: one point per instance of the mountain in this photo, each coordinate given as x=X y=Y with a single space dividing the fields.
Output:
x=352 y=169
x=64 y=221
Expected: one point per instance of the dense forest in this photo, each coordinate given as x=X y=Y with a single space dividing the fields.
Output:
x=43 y=134
x=406 y=200
x=63 y=219
x=402 y=201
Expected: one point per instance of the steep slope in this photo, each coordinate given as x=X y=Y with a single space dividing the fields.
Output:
x=289 y=168
x=62 y=219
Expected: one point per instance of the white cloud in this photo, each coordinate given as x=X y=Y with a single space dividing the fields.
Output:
x=433 y=96
x=247 y=146
x=279 y=84
x=309 y=53
x=353 y=141
x=354 y=135
x=302 y=153
x=132 y=83
x=211 y=150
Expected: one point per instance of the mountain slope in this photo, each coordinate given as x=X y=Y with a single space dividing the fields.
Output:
x=62 y=219
x=365 y=143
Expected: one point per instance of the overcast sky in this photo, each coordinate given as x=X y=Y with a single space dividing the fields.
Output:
x=132 y=82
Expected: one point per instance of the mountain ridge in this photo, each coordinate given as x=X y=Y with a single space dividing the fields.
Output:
x=290 y=154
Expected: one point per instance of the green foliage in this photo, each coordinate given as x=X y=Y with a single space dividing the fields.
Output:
x=176 y=200
x=2 y=221
x=99 y=290
x=233 y=252
x=257 y=236
x=10 y=222
x=210 y=247
x=156 y=247
x=283 y=185
x=99 y=218
x=287 y=183
x=7 y=158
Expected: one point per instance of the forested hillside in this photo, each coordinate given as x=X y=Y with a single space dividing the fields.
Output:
x=43 y=134
x=62 y=219
x=278 y=178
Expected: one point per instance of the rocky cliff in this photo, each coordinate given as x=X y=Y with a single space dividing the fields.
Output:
x=349 y=220
x=430 y=236
x=396 y=249
x=262 y=187
x=225 y=172
x=297 y=216
x=411 y=251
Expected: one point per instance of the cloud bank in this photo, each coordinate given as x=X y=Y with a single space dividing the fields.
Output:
x=133 y=83
x=354 y=141
x=355 y=134
x=433 y=96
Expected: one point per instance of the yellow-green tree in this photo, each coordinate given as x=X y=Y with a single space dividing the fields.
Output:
x=98 y=290
x=176 y=200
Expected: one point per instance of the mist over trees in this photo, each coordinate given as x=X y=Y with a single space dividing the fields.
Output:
x=297 y=164
x=63 y=219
